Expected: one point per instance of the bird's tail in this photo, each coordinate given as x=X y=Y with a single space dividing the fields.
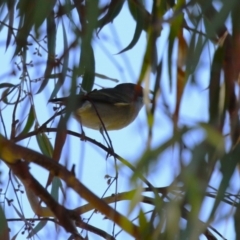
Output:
x=62 y=101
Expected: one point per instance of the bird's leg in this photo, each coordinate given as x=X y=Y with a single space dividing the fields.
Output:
x=102 y=133
x=101 y=130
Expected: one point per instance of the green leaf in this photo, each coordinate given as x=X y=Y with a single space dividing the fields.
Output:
x=114 y=9
x=89 y=73
x=7 y=92
x=53 y=76
x=138 y=30
x=37 y=228
x=194 y=52
x=7 y=85
x=228 y=165
x=30 y=121
x=87 y=59
x=62 y=75
x=136 y=197
x=61 y=136
x=11 y=8
x=102 y=76
x=86 y=67
x=4 y=98
x=44 y=144
x=173 y=34
x=66 y=56
x=136 y=36
x=145 y=227
x=30 y=16
x=214 y=89
x=4 y=21
x=151 y=155
x=51 y=43
x=137 y=9
x=56 y=185
x=214 y=137
x=65 y=8
x=213 y=19
x=142 y=219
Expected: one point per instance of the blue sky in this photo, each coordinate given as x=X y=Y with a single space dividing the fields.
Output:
x=130 y=142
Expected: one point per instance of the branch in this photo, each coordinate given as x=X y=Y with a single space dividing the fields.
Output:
x=84 y=137
x=21 y=170
x=10 y=152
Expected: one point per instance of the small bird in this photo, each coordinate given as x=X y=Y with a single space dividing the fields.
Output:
x=114 y=107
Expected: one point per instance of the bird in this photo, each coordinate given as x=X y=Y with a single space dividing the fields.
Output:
x=107 y=108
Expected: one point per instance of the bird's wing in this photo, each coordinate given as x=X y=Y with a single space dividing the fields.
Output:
x=76 y=101
x=108 y=95
x=62 y=101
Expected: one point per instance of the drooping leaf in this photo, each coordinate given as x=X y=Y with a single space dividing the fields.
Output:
x=214 y=89
x=213 y=137
x=144 y=225
x=30 y=121
x=7 y=92
x=60 y=139
x=182 y=50
x=175 y=30
x=214 y=20
x=7 y=85
x=65 y=9
x=62 y=75
x=37 y=228
x=196 y=45
x=181 y=73
x=151 y=155
x=87 y=61
x=54 y=75
x=56 y=186
x=137 y=32
x=231 y=73
x=11 y=8
x=44 y=144
x=137 y=9
x=171 y=41
x=30 y=16
x=3 y=21
x=103 y=76
x=65 y=46
x=228 y=165
x=51 y=44
x=89 y=71
x=181 y=82
x=114 y=8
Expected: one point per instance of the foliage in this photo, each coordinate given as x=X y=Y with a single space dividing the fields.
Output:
x=36 y=30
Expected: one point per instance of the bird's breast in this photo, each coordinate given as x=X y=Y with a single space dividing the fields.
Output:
x=113 y=116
